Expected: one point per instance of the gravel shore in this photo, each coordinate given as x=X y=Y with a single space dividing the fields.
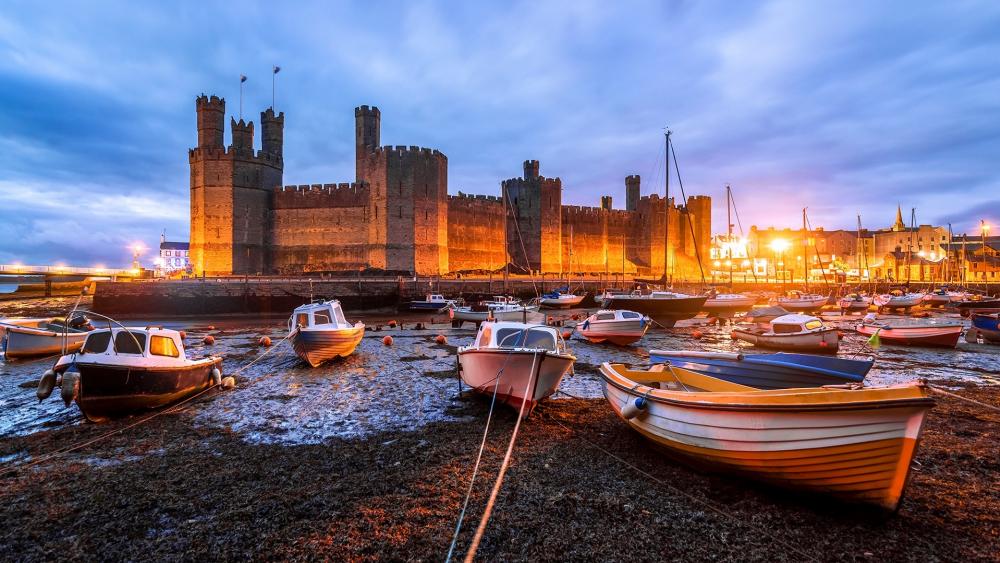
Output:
x=170 y=489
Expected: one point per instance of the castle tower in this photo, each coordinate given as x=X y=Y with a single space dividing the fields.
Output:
x=272 y=132
x=536 y=204
x=632 y=192
x=699 y=208
x=606 y=202
x=530 y=169
x=230 y=195
x=367 y=126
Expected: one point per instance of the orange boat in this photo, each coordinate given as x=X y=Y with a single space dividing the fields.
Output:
x=933 y=333
x=852 y=442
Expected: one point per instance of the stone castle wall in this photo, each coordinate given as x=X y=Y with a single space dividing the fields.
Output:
x=475 y=233
x=315 y=228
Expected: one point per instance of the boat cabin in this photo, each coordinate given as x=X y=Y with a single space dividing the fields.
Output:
x=325 y=314
x=165 y=346
x=435 y=298
x=518 y=336
x=793 y=324
x=619 y=315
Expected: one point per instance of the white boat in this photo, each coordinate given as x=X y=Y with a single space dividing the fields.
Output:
x=854 y=302
x=319 y=332
x=898 y=300
x=943 y=298
x=500 y=309
x=801 y=302
x=618 y=327
x=728 y=303
x=559 y=300
x=607 y=294
x=25 y=338
x=432 y=302
x=122 y=370
x=521 y=363
x=796 y=333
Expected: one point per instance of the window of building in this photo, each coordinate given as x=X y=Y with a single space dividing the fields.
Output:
x=163 y=346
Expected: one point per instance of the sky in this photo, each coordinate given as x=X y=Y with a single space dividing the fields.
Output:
x=842 y=107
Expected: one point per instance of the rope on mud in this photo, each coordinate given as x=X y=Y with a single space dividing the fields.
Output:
x=535 y=368
x=956 y=396
x=171 y=409
x=667 y=485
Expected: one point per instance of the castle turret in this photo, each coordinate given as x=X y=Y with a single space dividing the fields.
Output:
x=242 y=134
x=530 y=169
x=632 y=192
x=606 y=202
x=211 y=120
x=272 y=131
x=367 y=126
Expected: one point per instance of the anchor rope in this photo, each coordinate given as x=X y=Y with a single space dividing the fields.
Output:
x=173 y=408
x=941 y=391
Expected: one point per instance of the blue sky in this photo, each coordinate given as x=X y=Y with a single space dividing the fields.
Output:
x=843 y=107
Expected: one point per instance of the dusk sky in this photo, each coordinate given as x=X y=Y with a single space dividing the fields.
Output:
x=842 y=107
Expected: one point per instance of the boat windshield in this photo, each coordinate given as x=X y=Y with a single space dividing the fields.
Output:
x=786 y=328
x=814 y=324
x=127 y=342
x=97 y=342
x=517 y=338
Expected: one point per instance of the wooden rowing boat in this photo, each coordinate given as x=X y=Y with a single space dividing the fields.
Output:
x=941 y=335
x=853 y=443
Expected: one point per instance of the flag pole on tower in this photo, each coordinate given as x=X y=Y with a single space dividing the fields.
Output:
x=243 y=78
x=275 y=70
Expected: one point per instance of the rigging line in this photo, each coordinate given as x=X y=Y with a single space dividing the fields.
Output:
x=683 y=493
x=736 y=211
x=527 y=263
x=818 y=257
x=694 y=239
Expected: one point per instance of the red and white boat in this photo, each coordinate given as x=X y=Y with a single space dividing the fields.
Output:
x=797 y=301
x=522 y=363
x=913 y=333
x=617 y=327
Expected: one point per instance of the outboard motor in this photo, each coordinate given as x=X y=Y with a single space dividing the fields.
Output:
x=80 y=321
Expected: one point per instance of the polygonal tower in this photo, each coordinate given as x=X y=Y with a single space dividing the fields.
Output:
x=534 y=232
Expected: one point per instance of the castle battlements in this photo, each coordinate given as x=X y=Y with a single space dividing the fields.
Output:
x=475 y=197
x=200 y=154
x=318 y=196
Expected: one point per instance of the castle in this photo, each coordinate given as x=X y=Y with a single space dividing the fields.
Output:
x=398 y=217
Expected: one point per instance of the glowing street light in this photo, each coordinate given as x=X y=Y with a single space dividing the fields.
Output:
x=780 y=245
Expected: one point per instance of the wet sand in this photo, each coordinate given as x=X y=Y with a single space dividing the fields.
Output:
x=369 y=458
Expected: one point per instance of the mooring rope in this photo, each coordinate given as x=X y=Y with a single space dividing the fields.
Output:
x=171 y=409
x=667 y=485
x=941 y=391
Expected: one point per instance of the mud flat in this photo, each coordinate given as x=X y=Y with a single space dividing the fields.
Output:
x=173 y=489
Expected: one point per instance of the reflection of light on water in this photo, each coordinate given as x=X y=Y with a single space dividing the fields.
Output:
x=412 y=383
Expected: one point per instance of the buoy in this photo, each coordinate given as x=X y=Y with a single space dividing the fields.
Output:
x=228 y=382
x=697 y=334
x=46 y=385
x=567 y=334
x=216 y=376
x=387 y=340
x=732 y=335
x=634 y=408
x=70 y=385
x=264 y=341
x=440 y=339
x=209 y=339
x=575 y=317
x=451 y=313
x=210 y=327
x=182 y=334
x=392 y=324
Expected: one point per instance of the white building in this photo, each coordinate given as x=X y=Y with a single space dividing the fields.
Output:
x=174 y=257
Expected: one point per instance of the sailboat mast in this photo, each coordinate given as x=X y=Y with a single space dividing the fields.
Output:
x=909 y=245
x=729 y=235
x=666 y=208
x=805 y=250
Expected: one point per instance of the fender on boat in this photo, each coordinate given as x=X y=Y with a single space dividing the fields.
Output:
x=70 y=385
x=46 y=385
x=634 y=408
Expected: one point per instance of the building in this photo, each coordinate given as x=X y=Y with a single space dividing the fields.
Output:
x=174 y=257
x=397 y=216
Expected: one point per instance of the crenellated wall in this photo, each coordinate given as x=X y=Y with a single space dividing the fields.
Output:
x=315 y=228
x=475 y=233
x=534 y=233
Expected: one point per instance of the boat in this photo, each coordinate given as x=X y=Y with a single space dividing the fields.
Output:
x=764 y=315
x=664 y=307
x=617 y=327
x=501 y=308
x=432 y=302
x=26 y=338
x=797 y=301
x=942 y=298
x=851 y=442
x=559 y=300
x=521 y=363
x=897 y=300
x=722 y=303
x=124 y=370
x=768 y=371
x=854 y=303
x=973 y=306
x=912 y=332
x=608 y=293
x=319 y=332
x=988 y=325
x=799 y=333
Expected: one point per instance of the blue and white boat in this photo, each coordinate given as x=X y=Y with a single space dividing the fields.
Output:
x=768 y=371
x=988 y=325
x=433 y=302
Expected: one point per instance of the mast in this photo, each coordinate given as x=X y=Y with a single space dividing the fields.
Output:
x=623 y=261
x=729 y=235
x=666 y=208
x=909 y=245
x=805 y=250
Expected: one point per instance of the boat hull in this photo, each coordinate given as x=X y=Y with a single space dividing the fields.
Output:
x=771 y=371
x=825 y=341
x=898 y=303
x=564 y=303
x=969 y=308
x=482 y=316
x=620 y=332
x=427 y=306
x=939 y=337
x=988 y=326
x=801 y=305
x=109 y=391
x=317 y=346
x=853 y=306
x=728 y=305
x=27 y=342
x=855 y=453
x=665 y=312
x=479 y=369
